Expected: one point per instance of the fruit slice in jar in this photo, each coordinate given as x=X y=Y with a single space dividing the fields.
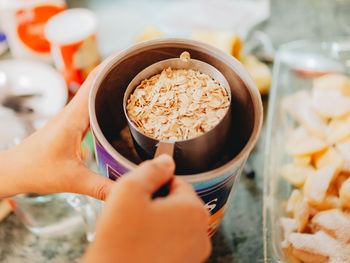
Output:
x=295 y=197
x=335 y=223
x=331 y=156
x=344 y=150
x=333 y=82
x=323 y=102
x=344 y=194
x=296 y=174
x=330 y=90
x=339 y=130
x=317 y=184
x=311 y=248
x=301 y=143
x=302 y=214
x=299 y=107
x=302 y=160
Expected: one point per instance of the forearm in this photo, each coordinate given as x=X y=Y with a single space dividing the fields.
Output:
x=10 y=183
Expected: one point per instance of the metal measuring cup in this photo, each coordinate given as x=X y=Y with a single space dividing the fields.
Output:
x=191 y=155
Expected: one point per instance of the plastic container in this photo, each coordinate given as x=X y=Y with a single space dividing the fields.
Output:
x=23 y=22
x=296 y=65
x=72 y=35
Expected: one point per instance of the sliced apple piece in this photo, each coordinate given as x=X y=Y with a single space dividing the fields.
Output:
x=330 y=202
x=301 y=143
x=319 y=247
x=289 y=225
x=295 y=196
x=333 y=81
x=288 y=251
x=335 y=223
x=296 y=174
x=302 y=214
x=299 y=107
x=302 y=160
x=331 y=156
x=317 y=184
x=344 y=150
x=344 y=194
x=339 y=129
x=310 y=248
x=330 y=103
x=341 y=178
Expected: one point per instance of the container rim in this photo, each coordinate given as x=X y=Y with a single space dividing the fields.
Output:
x=178 y=42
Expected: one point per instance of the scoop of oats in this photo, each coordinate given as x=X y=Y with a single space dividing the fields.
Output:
x=177 y=104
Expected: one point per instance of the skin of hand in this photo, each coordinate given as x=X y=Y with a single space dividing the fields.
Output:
x=135 y=228
x=49 y=161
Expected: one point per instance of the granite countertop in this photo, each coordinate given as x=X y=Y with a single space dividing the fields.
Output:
x=239 y=238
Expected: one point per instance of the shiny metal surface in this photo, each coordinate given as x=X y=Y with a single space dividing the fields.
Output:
x=195 y=154
x=107 y=118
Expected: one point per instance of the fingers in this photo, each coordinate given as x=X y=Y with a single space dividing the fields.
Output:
x=180 y=186
x=181 y=190
x=78 y=109
x=153 y=174
x=89 y=183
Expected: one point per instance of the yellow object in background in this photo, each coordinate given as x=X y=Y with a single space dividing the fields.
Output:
x=226 y=41
x=150 y=32
x=231 y=44
x=259 y=71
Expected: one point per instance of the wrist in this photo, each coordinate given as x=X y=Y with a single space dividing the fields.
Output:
x=9 y=174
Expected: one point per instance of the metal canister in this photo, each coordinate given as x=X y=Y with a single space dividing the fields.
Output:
x=215 y=185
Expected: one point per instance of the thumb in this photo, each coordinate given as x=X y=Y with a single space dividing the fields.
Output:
x=92 y=184
x=153 y=174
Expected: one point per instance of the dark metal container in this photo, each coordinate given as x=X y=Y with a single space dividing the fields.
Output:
x=214 y=185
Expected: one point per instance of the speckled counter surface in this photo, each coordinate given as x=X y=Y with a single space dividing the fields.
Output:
x=239 y=238
x=18 y=245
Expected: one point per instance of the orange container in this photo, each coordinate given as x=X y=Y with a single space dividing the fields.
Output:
x=23 y=22
x=72 y=35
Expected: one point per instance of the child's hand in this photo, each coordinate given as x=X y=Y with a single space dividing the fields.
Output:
x=134 y=227
x=49 y=160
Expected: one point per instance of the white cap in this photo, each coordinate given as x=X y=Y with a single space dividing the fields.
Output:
x=70 y=26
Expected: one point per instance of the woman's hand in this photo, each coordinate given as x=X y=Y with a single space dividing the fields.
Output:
x=49 y=160
x=135 y=228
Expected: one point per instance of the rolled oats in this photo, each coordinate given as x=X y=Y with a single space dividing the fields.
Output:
x=177 y=104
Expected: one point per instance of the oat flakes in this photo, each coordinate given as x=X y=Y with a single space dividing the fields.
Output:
x=177 y=104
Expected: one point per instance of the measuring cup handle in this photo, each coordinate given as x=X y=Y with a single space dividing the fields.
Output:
x=165 y=148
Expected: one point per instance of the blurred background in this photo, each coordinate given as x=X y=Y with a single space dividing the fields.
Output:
x=48 y=47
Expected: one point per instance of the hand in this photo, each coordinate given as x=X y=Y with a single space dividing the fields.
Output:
x=135 y=228
x=49 y=160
